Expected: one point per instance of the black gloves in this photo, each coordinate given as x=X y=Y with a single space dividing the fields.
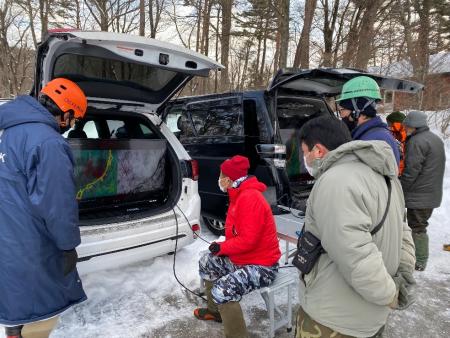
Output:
x=70 y=261
x=214 y=248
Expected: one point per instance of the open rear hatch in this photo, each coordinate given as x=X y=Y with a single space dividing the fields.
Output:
x=119 y=67
x=329 y=81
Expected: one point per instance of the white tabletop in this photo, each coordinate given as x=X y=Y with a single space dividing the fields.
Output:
x=288 y=224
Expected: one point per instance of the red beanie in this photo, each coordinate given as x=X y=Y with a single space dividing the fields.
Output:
x=235 y=167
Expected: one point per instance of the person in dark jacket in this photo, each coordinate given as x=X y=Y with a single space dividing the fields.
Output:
x=422 y=179
x=248 y=258
x=38 y=210
x=358 y=111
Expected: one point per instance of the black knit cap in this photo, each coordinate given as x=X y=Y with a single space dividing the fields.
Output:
x=369 y=111
x=395 y=117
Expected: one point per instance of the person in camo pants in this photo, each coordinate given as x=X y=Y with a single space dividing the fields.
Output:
x=248 y=258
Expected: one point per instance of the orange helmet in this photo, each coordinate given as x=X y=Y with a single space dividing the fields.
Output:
x=67 y=96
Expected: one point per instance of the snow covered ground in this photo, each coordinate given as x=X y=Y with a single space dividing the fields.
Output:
x=145 y=300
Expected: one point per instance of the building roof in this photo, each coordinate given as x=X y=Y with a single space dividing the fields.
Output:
x=439 y=63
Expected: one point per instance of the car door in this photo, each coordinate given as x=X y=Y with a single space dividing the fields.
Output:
x=211 y=130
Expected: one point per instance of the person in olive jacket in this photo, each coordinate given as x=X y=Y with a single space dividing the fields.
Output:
x=422 y=179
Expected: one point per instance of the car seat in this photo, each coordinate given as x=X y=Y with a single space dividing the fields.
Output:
x=77 y=131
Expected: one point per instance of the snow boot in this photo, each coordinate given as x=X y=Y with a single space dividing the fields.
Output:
x=446 y=247
x=212 y=311
x=421 y=243
x=233 y=320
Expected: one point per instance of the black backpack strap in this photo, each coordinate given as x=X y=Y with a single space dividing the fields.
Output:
x=378 y=227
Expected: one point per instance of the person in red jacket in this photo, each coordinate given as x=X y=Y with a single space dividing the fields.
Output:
x=248 y=258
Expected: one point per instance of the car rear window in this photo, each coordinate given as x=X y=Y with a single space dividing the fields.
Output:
x=100 y=69
x=100 y=127
x=207 y=120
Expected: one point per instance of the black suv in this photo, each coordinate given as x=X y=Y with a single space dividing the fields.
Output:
x=262 y=125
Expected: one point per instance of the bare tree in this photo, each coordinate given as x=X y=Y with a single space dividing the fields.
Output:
x=225 y=46
x=329 y=26
x=283 y=32
x=115 y=15
x=16 y=56
x=156 y=9
x=142 y=17
x=302 y=53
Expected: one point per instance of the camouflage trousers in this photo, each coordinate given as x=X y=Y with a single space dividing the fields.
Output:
x=231 y=281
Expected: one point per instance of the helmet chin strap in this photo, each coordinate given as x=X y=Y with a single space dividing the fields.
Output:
x=356 y=111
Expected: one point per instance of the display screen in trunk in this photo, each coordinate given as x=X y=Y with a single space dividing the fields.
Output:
x=111 y=172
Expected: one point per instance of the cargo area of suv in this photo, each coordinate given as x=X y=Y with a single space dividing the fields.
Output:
x=124 y=167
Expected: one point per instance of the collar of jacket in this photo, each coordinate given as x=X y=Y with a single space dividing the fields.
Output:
x=418 y=131
x=250 y=183
x=375 y=122
x=377 y=155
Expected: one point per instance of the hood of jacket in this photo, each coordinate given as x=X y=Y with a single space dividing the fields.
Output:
x=25 y=109
x=376 y=154
x=250 y=183
x=375 y=122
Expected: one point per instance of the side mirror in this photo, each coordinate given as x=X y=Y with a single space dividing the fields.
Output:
x=273 y=153
x=269 y=150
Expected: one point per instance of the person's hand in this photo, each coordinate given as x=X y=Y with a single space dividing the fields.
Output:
x=404 y=281
x=394 y=304
x=214 y=248
x=70 y=261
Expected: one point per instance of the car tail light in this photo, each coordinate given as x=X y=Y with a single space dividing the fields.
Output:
x=196 y=230
x=190 y=169
x=194 y=170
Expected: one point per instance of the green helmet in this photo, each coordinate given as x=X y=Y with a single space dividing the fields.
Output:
x=360 y=86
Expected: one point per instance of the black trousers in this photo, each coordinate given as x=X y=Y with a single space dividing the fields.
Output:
x=418 y=219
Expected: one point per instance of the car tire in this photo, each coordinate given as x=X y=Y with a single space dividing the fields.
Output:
x=215 y=226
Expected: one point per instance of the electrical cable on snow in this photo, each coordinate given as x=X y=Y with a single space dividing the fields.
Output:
x=175 y=256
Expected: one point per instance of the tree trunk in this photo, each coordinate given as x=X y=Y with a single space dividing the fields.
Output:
x=366 y=34
x=43 y=13
x=352 y=38
x=328 y=30
x=205 y=26
x=199 y=21
x=302 y=53
x=226 y=37
x=142 y=17
x=283 y=27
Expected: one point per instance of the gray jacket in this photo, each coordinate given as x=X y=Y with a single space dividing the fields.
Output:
x=351 y=285
x=424 y=170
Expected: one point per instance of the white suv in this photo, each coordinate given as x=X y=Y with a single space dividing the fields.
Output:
x=137 y=185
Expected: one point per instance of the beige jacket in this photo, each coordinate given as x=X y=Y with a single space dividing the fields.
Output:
x=350 y=287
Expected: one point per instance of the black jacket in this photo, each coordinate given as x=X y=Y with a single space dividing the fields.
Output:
x=423 y=177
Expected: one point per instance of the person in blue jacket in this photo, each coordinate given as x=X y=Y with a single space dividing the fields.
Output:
x=357 y=108
x=38 y=210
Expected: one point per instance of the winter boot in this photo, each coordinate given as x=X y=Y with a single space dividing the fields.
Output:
x=421 y=243
x=446 y=247
x=211 y=312
x=233 y=320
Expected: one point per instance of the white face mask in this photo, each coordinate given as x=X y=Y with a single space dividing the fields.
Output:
x=220 y=186
x=308 y=168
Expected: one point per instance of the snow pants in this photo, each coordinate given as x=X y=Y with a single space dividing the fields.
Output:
x=231 y=281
